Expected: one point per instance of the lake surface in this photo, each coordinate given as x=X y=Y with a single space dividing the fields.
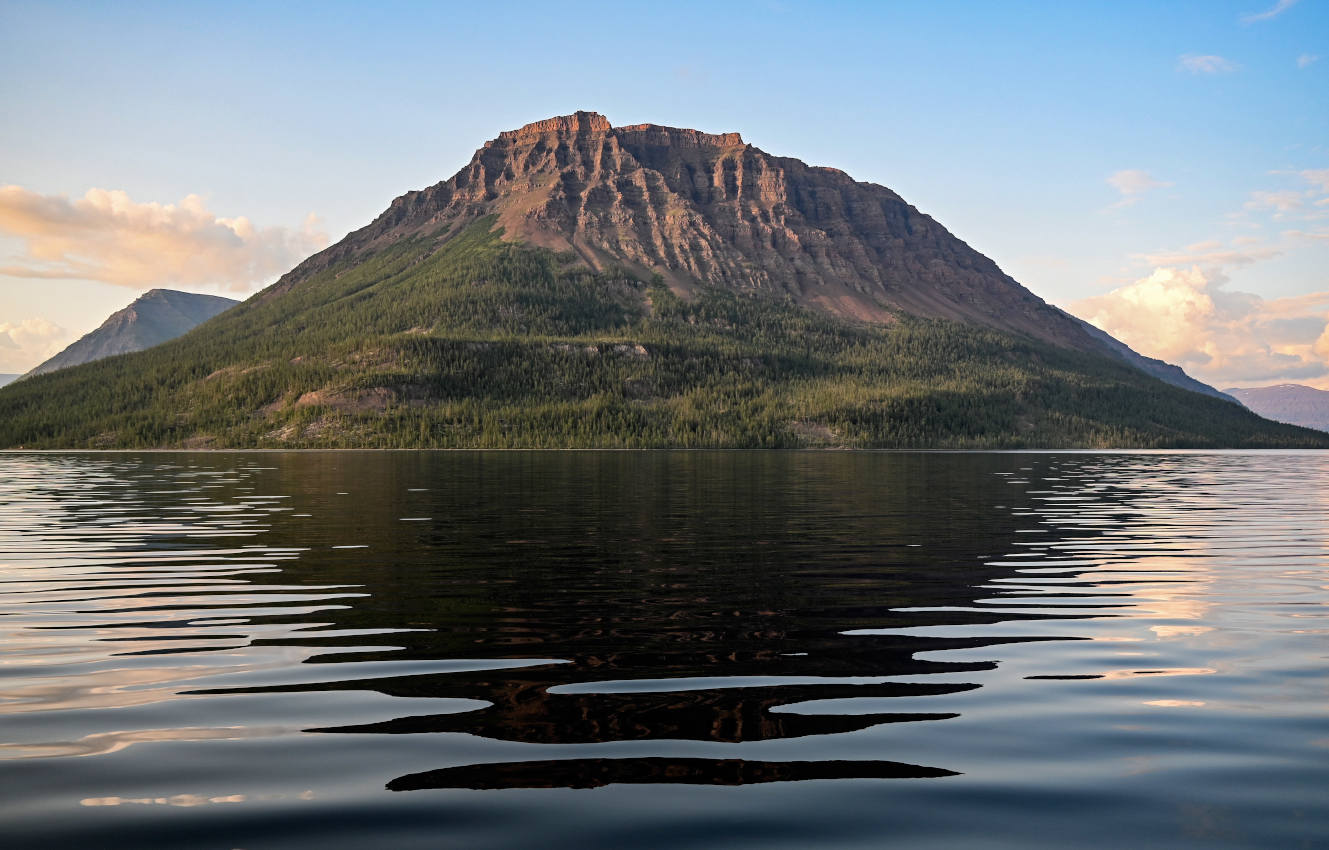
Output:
x=715 y=649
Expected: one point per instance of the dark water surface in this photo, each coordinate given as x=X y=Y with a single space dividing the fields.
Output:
x=768 y=650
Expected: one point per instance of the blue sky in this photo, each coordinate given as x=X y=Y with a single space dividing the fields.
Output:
x=1154 y=167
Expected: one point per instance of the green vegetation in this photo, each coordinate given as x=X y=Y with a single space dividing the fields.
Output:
x=486 y=344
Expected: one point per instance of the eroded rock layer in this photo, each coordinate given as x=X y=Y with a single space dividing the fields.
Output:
x=709 y=209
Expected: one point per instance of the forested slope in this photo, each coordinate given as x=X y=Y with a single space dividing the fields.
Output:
x=477 y=342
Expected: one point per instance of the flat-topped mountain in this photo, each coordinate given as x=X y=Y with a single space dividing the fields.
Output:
x=154 y=317
x=577 y=285
x=708 y=209
x=1292 y=403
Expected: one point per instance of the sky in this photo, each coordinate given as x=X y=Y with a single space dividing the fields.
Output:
x=1160 y=169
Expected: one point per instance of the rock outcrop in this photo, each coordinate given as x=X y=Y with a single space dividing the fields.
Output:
x=708 y=209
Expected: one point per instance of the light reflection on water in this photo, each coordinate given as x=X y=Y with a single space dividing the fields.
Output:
x=733 y=649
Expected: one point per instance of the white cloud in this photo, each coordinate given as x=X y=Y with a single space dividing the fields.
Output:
x=1305 y=60
x=1318 y=177
x=1205 y=64
x=1278 y=8
x=1280 y=202
x=1184 y=316
x=1133 y=184
x=107 y=236
x=26 y=343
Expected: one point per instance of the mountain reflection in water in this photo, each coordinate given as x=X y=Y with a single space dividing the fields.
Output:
x=292 y=637
x=685 y=609
x=592 y=773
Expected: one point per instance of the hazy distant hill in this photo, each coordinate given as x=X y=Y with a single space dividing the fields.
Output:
x=155 y=317
x=6 y=378
x=1292 y=403
x=581 y=285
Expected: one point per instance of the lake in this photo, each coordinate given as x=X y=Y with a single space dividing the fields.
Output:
x=664 y=649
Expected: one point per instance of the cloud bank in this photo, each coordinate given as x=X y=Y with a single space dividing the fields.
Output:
x=1186 y=317
x=107 y=236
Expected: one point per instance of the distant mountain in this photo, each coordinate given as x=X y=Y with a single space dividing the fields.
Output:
x=1291 y=403
x=6 y=378
x=581 y=285
x=155 y=316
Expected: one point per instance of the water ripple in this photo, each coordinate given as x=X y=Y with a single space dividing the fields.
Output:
x=433 y=646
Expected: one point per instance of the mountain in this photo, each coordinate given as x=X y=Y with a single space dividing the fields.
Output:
x=7 y=378
x=1292 y=403
x=580 y=285
x=707 y=209
x=154 y=317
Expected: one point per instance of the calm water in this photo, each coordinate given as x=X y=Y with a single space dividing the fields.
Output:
x=731 y=650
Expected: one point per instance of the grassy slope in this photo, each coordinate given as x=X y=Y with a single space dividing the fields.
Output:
x=486 y=344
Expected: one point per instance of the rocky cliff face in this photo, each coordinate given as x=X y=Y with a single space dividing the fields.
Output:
x=155 y=317
x=709 y=209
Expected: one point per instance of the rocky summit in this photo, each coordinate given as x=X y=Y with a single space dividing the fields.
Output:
x=709 y=209
x=577 y=284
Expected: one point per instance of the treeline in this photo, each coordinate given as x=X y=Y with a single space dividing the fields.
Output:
x=479 y=343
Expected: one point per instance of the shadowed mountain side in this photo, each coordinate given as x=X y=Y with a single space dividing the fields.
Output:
x=155 y=317
x=599 y=772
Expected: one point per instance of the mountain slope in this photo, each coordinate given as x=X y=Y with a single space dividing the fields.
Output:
x=1291 y=403
x=153 y=318
x=1160 y=369
x=537 y=300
